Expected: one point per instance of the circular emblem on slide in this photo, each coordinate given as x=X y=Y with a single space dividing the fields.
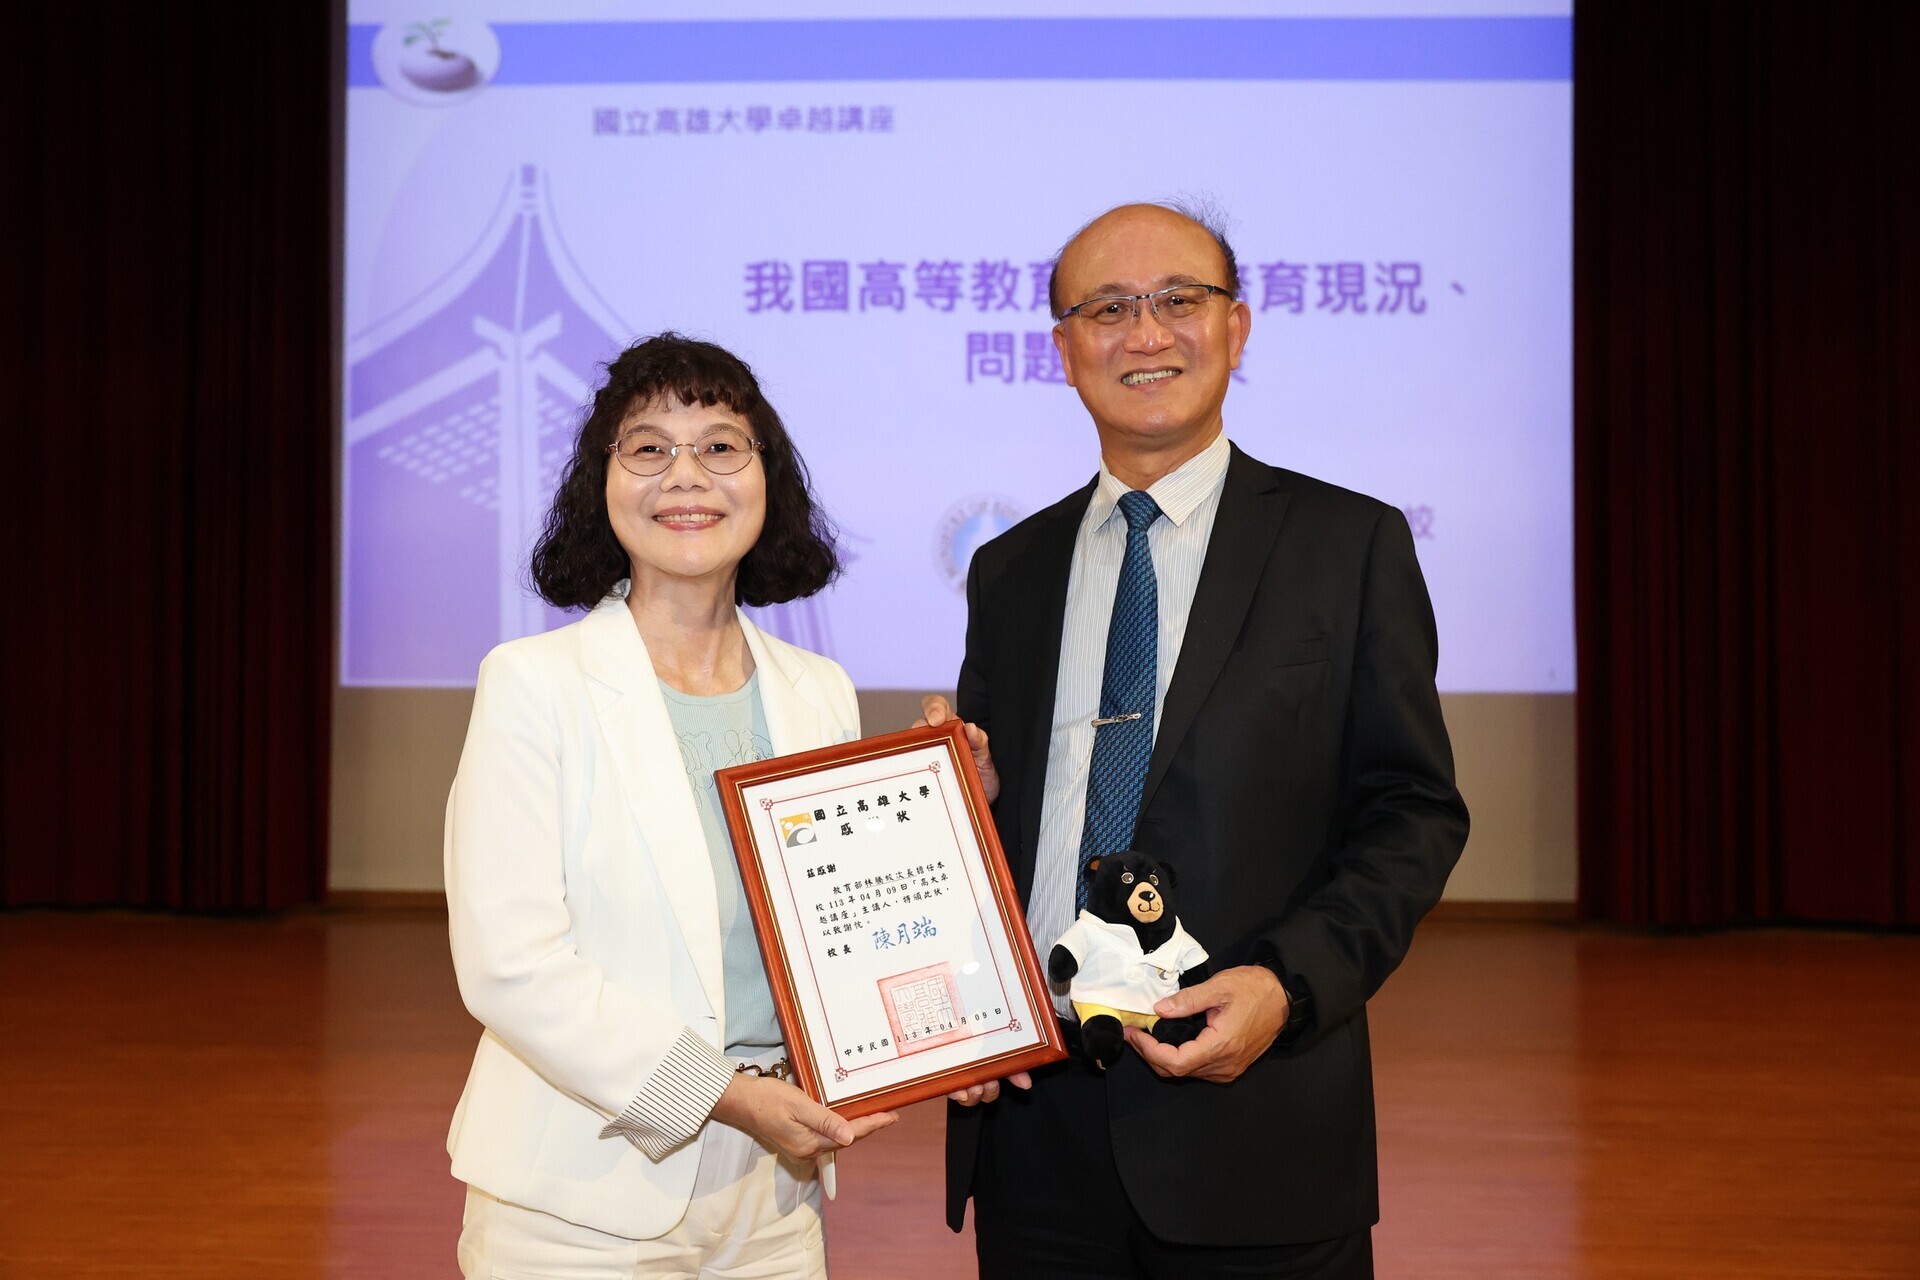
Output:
x=436 y=62
x=967 y=526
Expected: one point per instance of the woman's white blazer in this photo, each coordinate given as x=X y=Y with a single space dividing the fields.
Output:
x=582 y=909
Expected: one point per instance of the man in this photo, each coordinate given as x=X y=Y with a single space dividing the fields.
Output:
x=1229 y=667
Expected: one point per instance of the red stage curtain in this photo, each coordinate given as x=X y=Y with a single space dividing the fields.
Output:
x=1747 y=477
x=169 y=486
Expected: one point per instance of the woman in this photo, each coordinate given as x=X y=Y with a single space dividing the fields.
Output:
x=625 y=1114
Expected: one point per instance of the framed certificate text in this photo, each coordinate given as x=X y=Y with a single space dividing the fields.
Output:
x=895 y=945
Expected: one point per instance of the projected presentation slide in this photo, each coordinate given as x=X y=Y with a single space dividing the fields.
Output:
x=865 y=206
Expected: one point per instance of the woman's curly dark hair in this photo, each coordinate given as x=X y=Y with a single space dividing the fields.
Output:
x=578 y=560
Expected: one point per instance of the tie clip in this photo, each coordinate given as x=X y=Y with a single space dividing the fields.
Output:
x=1099 y=721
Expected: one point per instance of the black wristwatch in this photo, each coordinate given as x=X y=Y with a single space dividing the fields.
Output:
x=1299 y=1002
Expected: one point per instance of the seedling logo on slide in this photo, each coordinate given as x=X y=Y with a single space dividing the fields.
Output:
x=797 y=830
x=435 y=62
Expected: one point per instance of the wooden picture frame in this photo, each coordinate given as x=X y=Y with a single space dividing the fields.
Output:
x=894 y=941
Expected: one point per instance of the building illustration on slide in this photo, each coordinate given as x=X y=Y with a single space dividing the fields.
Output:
x=460 y=412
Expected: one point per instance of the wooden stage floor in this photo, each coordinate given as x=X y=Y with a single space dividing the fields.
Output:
x=213 y=1098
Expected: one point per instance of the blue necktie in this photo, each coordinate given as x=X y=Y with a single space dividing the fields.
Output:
x=1127 y=689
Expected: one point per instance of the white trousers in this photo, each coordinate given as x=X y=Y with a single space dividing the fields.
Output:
x=753 y=1216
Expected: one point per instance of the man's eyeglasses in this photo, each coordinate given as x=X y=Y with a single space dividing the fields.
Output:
x=1178 y=304
x=722 y=451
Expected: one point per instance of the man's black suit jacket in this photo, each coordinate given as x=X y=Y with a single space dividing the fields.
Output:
x=1301 y=783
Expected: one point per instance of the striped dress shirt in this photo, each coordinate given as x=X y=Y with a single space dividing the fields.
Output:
x=1189 y=497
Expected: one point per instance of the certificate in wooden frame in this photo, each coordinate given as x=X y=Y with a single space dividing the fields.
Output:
x=895 y=945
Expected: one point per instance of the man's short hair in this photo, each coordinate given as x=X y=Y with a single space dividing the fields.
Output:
x=1202 y=212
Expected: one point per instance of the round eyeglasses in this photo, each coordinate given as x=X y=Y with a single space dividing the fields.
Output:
x=1178 y=304
x=722 y=451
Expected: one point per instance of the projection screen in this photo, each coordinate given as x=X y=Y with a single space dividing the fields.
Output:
x=864 y=203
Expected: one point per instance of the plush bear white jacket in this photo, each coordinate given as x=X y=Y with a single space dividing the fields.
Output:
x=1115 y=972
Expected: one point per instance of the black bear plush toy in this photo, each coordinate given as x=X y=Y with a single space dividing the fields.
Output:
x=1124 y=954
